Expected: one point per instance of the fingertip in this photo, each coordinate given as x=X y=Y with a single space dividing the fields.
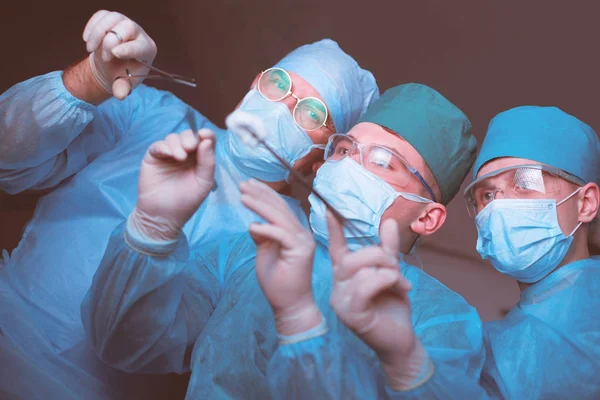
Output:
x=189 y=140
x=245 y=199
x=206 y=133
x=390 y=224
x=388 y=273
x=160 y=149
x=180 y=154
x=254 y=226
x=206 y=144
x=121 y=89
x=119 y=51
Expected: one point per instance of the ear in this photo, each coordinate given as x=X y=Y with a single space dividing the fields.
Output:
x=317 y=165
x=430 y=220
x=589 y=202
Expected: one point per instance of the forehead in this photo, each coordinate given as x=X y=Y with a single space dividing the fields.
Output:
x=302 y=88
x=503 y=162
x=370 y=133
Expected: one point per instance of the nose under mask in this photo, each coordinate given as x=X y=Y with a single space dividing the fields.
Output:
x=358 y=195
x=522 y=238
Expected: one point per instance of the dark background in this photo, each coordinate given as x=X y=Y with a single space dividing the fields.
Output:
x=486 y=56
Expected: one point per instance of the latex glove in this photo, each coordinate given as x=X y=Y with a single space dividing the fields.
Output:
x=284 y=259
x=176 y=176
x=109 y=56
x=370 y=296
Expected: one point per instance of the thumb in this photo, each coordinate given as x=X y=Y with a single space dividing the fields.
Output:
x=121 y=88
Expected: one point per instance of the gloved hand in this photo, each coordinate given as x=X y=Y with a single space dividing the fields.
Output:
x=176 y=176
x=370 y=296
x=111 y=54
x=284 y=259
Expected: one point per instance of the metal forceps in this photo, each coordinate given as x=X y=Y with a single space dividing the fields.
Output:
x=158 y=74
x=343 y=220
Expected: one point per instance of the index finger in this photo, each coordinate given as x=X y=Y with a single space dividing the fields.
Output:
x=337 y=241
x=390 y=237
x=92 y=21
x=269 y=205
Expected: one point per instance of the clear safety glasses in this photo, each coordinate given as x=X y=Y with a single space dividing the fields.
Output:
x=380 y=160
x=535 y=181
x=310 y=113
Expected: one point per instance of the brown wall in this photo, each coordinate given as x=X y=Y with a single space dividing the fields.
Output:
x=486 y=56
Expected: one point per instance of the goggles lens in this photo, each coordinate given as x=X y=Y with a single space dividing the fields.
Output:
x=379 y=160
x=518 y=183
x=310 y=113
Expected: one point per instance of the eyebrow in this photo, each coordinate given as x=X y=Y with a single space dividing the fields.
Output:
x=488 y=183
x=376 y=144
x=397 y=135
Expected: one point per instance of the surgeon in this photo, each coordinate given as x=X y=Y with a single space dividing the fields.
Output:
x=355 y=321
x=534 y=195
x=85 y=132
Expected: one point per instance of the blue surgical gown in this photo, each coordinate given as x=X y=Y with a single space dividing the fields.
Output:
x=236 y=355
x=548 y=346
x=90 y=156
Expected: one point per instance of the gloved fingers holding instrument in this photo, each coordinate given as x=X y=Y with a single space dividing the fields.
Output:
x=177 y=174
x=284 y=259
x=115 y=44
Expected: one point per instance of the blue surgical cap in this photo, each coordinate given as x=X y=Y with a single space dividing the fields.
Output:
x=346 y=88
x=547 y=135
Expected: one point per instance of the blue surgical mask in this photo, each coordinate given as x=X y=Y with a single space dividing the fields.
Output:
x=522 y=237
x=286 y=138
x=358 y=195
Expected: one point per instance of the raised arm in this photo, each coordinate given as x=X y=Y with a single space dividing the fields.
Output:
x=54 y=125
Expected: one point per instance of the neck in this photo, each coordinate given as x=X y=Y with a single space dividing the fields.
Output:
x=281 y=187
x=579 y=250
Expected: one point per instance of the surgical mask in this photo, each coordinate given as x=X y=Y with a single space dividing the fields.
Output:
x=522 y=238
x=358 y=195
x=286 y=138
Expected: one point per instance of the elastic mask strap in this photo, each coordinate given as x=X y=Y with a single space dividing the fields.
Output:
x=568 y=197
x=414 y=197
x=574 y=230
x=414 y=251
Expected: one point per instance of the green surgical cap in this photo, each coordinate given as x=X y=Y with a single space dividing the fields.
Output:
x=436 y=128
x=546 y=135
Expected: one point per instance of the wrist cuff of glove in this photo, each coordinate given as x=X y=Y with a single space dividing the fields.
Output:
x=317 y=331
x=145 y=245
x=104 y=83
x=416 y=372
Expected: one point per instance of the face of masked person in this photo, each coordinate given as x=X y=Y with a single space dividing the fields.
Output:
x=297 y=147
x=374 y=189
x=526 y=235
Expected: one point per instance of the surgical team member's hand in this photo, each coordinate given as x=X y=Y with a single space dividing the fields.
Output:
x=284 y=259
x=115 y=42
x=370 y=296
x=176 y=176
